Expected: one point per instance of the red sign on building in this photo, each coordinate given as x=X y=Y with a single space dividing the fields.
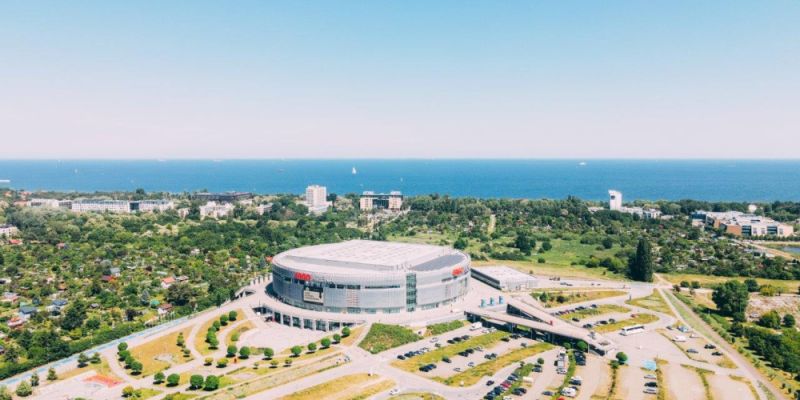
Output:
x=302 y=276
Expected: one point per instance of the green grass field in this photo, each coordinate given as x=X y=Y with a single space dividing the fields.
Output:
x=382 y=337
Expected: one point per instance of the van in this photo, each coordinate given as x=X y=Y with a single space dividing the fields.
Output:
x=476 y=326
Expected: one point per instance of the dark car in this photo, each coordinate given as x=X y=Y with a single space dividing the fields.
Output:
x=401 y=357
x=489 y=382
x=446 y=359
x=651 y=384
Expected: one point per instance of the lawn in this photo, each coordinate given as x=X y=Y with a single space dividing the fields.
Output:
x=489 y=368
x=709 y=281
x=334 y=388
x=419 y=396
x=436 y=355
x=639 y=319
x=160 y=353
x=200 y=340
x=565 y=296
x=382 y=337
x=440 y=328
x=233 y=337
x=654 y=302
x=591 y=312
x=102 y=369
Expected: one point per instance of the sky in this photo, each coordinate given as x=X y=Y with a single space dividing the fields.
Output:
x=399 y=79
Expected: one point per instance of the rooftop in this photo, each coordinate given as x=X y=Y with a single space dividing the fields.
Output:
x=372 y=255
x=503 y=272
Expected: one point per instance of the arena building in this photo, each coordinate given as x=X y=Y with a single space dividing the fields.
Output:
x=361 y=276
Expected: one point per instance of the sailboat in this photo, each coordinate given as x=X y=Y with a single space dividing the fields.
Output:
x=354 y=171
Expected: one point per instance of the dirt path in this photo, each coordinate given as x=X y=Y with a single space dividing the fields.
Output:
x=682 y=384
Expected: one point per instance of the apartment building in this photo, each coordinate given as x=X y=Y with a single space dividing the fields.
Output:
x=393 y=201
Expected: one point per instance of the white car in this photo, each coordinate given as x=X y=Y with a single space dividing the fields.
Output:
x=394 y=392
x=651 y=390
x=650 y=376
x=434 y=340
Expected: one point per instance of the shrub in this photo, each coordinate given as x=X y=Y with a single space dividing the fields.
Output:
x=269 y=353
x=212 y=383
x=24 y=389
x=312 y=347
x=158 y=378
x=208 y=361
x=222 y=362
x=173 y=380
x=232 y=316
x=231 y=351
x=622 y=357
x=346 y=331
x=196 y=382
x=326 y=342
x=296 y=351
x=244 y=352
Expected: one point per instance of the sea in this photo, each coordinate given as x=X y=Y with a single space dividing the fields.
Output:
x=713 y=180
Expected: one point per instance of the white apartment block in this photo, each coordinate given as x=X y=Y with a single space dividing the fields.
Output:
x=8 y=230
x=44 y=203
x=614 y=200
x=112 y=206
x=152 y=205
x=392 y=201
x=741 y=224
x=316 y=196
x=216 y=210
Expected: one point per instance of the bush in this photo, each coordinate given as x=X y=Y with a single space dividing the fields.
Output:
x=346 y=331
x=244 y=352
x=269 y=353
x=337 y=338
x=770 y=319
x=208 y=361
x=158 y=378
x=326 y=342
x=622 y=357
x=231 y=351
x=212 y=383
x=438 y=329
x=222 y=363
x=312 y=347
x=232 y=316
x=196 y=382
x=173 y=380
x=296 y=351
x=24 y=389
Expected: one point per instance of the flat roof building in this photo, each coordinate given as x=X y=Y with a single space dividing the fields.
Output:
x=317 y=199
x=392 y=201
x=361 y=276
x=738 y=223
x=504 y=278
x=8 y=230
x=225 y=197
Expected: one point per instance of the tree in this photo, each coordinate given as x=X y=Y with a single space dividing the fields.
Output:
x=287 y=362
x=223 y=319
x=35 y=380
x=268 y=353
x=731 y=299
x=346 y=331
x=312 y=347
x=244 y=352
x=212 y=383
x=208 y=361
x=173 y=380
x=461 y=243
x=196 y=382
x=95 y=359
x=524 y=243
x=82 y=360
x=608 y=243
x=136 y=367
x=128 y=391
x=4 y=395
x=640 y=267
x=24 y=389
x=179 y=294
x=622 y=357
x=51 y=374
x=232 y=315
x=325 y=342
x=231 y=351
x=273 y=363
x=582 y=346
x=123 y=355
x=181 y=341
x=122 y=346
x=158 y=378
x=770 y=319
x=74 y=316
x=337 y=338
x=546 y=246
x=213 y=343
x=737 y=329
x=296 y=350
x=789 y=321
x=752 y=285
x=222 y=362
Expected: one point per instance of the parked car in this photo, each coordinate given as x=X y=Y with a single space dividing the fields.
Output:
x=489 y=382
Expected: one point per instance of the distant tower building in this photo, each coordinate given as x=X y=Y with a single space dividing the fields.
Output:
x=614 y=200
x=752 y=208
x=316 y=196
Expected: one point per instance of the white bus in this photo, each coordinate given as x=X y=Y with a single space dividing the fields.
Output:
x=631 y=330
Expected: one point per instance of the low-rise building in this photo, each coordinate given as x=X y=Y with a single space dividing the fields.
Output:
x=742 y=224
x=226 y=197
x=504 y=278
x=8 y=230
x=101 y=205
x=152 y=205
x=393 y=201
x=216 y=210
x=44 y=203
x=167 y=282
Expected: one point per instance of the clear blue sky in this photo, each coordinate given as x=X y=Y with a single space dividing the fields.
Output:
x=265 y=79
